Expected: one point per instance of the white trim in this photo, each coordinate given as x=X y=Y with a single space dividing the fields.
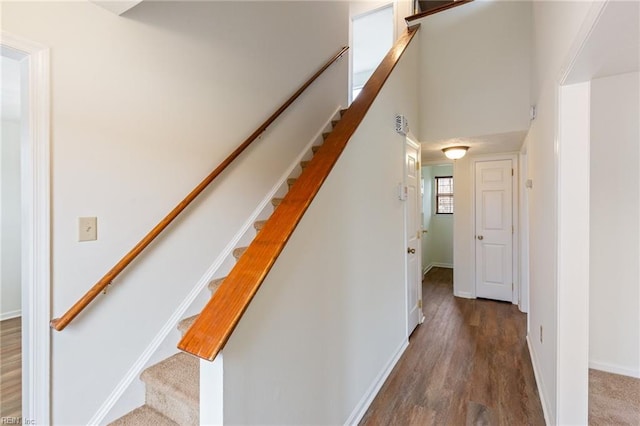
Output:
x=426 y=270
x=539 y=382
x=201 y=285
x=212 y=391
x=515 y=215
x=366 y=400
x=436 y=265
x=36 y=256
x=464 y=294
x=10 y=314
x=614 y=368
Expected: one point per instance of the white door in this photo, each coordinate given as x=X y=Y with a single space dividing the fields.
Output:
x=413 y=231
x=494 y=230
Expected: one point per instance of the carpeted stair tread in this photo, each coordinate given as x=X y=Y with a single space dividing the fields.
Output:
x=342 y=111
x=276 y=201
x=214 y=284
x=315 y=148
x=258 y=225
x=173 y=388
x=304 y=164
x=334 y=123
x=325 y=135
x=143 y=416
x=291 y=181
x=239 y=252
x=184 y=324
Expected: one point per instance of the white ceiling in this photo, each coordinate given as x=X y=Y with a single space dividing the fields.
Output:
x=478 y=145
x=10 y=89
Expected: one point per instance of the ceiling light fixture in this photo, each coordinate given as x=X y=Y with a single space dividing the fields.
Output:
x=455 y=152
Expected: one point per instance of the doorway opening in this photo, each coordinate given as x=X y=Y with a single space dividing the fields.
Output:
x=10 y=240
x=372 y=37
x=25 y=230
x=437 y=216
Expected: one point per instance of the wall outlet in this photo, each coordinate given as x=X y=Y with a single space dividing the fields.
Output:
x=540 y=334
x=87 y=228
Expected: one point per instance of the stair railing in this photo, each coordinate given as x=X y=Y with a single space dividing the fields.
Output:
x=60 y=323
x=215 y=324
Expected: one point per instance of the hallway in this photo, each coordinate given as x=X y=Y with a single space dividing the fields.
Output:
x=467 y=364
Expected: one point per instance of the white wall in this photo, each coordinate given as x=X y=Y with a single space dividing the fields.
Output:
x=463 y=237
x=439 y=240
x=143 y=107
x=555 y=25
x=475 y=67
x=10 y=278
x=614 y=309
x=331 y=315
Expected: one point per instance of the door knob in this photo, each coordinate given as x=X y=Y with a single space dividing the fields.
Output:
x=411 y=250
x=480 y=237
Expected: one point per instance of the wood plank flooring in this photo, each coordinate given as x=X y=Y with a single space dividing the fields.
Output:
x=11 y=368
x=468 y=364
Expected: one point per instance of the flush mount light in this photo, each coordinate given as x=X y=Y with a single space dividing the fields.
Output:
x=455 y=152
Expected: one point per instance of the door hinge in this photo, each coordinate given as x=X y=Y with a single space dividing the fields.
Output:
x=419 y=303
x=511 y=172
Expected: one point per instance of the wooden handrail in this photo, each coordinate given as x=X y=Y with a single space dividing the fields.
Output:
x=213 y=327
x=452 y=4
x=60 y=323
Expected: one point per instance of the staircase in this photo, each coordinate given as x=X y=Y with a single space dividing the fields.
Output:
x=172 y=394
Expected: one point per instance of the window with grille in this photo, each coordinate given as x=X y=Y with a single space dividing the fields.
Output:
x=444 y=195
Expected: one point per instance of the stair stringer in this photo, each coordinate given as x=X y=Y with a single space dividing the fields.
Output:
x=162 y=346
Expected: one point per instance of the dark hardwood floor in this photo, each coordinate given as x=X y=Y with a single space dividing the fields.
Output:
x=10 y=368
x=468 y=364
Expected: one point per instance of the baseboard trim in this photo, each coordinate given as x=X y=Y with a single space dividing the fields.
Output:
x=436 y=265
x=614 y=368
x=366 y=400
x=10 y=315
x=463 y=294
x=201 y=285
x=426 y=270
x=539 y=382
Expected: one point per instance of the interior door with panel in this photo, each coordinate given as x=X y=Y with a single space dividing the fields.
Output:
x=413 y=229
x=494 y=229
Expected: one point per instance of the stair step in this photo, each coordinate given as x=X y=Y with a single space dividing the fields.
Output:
x=304 y=164
x=259 y=225
x=334 y=123
x=184 y=324
x=315 y=148
x=239 y=252
x=143 y=416
x=214 y=284
x=276 y=201
x=325 y=135
x=291 y=181
x=342 y=111
x=173 y=388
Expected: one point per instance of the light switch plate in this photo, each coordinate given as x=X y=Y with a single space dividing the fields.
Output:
x=87 y=228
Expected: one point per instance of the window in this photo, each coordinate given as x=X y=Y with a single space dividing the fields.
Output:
x=444 y=195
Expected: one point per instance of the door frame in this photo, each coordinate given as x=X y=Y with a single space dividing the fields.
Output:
x=36 y=233
x=515 y=197
x=410 y=139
